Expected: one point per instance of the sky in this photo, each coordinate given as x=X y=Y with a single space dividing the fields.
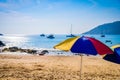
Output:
x=56 y=16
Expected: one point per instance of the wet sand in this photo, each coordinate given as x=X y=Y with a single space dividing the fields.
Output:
x=34 y=67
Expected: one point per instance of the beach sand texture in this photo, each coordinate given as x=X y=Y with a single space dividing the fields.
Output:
x=33 y=67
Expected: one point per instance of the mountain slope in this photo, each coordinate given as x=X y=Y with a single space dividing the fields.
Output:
x=109 y=28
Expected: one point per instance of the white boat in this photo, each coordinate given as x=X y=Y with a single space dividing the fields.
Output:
x=1 y=34
x=42 y=35
x=50 y=36
x=70 y=35
x=102 y=33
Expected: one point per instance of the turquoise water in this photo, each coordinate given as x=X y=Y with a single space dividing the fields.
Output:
x=36 y=41
x=115 y=39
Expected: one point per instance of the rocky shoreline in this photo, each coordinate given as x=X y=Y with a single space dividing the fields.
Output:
x=29 y=51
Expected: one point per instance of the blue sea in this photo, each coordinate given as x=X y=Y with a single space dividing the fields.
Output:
x=38 y=42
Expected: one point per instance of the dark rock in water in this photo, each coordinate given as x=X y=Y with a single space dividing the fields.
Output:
x=34 y=51
x=43 y=52
x=31 y=51
x=1 y=44
x=23 y=50
x=5 y=49
x=13 y=49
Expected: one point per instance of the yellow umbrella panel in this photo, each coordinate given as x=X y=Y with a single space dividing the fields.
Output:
x=67 y=44
x=115 y=46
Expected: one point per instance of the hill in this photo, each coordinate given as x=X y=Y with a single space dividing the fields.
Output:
x=108 y=28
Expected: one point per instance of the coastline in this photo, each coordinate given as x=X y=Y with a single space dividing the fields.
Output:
x=37 y=51
x=47 y=67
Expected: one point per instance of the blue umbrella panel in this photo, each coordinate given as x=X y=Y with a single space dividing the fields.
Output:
x=114 y=57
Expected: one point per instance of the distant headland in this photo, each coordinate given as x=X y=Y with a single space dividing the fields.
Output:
x=108 y=28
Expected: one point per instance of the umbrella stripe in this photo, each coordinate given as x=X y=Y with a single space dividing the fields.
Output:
x=113 y=57
x=115 y=46
x=67 y=44
x=84 y=45
x=100 y=47
x=117 y=51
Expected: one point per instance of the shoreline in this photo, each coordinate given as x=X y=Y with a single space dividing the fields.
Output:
x=40 y=51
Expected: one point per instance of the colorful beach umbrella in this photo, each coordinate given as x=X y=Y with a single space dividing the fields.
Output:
x=115 y=46
x=115 y=57
x=84 y=45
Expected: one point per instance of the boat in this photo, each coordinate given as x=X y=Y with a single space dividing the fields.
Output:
x=42 y=35
x=102 y=35
x=50 y=36
x=108 y=41
x=1 y=34
x=71 y=35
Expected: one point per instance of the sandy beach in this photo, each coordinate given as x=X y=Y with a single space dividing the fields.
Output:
x=34 y=67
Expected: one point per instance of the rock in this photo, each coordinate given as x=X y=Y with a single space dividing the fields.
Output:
x=33 y=51
x=5 y=49
x=43 y=52
x=30 y=51
x=13 y=49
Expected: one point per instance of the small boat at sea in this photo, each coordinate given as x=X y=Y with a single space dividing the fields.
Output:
x=42 y=35
x=71 y=35
x=108 y=41
x=1 y=34
x=50 y=36
x=102 y=35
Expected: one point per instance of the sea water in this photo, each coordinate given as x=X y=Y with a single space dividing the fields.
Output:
x=32 y=41
x=36 y=41
x=39 y=42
